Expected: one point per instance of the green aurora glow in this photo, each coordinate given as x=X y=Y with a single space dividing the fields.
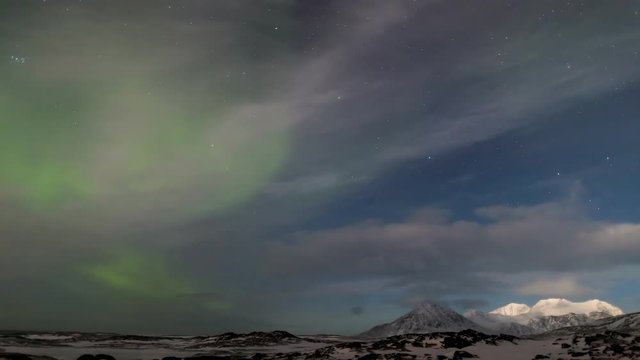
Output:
x=75 y=144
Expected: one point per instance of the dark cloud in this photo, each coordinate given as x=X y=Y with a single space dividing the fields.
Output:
x=357 y=310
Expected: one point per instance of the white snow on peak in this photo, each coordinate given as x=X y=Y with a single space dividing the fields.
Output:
x=512 y=309
x=556 y=307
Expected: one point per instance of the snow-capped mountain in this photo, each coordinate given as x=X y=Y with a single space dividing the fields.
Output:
x=426 y=317
x=545 y=315
x=513 y=319
x=512 y=309
x=555 y=307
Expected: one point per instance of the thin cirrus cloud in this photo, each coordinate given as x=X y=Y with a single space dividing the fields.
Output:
x=473 y=88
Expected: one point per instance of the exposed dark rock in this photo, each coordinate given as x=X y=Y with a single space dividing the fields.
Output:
x=461 y=354
x=614 y=348
x=14 y=356
x=104 y=357
x=578 y=353
x=322 y=353
x=370 y=356
x=399 y=356
x=355 y=345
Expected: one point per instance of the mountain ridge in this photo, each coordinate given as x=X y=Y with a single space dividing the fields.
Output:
x=513 y=319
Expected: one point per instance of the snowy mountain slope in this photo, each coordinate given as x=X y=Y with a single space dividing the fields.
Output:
x=426 y=317
x=526 y=324
x=546 y=323
x=627 y=323
x=498 y=324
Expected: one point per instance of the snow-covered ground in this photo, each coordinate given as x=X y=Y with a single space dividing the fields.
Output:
x=612 y=338
x=73 y=352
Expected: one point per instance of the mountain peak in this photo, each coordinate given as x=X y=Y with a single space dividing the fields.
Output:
x=428 y=307
x=427 y=316
x=512 y=309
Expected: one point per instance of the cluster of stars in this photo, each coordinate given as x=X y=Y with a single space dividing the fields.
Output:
x=18 y=59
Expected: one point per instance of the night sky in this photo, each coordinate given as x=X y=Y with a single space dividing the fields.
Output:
x=177 y=166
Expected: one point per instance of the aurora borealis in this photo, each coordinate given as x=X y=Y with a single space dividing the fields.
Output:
x=192 y=166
